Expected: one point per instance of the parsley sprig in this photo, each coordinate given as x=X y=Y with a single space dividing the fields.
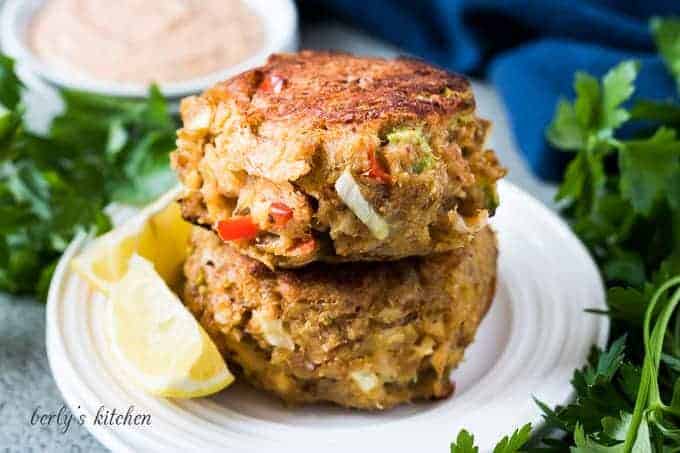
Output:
x=98 y=150
x=621 y=195
x=465 y=443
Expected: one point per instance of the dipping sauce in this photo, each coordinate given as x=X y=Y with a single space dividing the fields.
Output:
x=143 y=41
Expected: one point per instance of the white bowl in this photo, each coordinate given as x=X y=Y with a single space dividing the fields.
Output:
x=279 y=19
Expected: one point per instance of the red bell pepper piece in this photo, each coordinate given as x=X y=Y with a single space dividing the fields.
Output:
x=281 y=213
x=236 y=228
x=377 y=171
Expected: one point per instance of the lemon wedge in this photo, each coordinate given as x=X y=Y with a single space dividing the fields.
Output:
x=158 y=233
x=157 y=342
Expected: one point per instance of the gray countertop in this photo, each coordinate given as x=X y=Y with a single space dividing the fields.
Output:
x=26 y=384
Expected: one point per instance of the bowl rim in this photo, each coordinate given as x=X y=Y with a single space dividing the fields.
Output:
x=280 y=24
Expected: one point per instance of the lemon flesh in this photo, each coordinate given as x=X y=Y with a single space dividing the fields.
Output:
x=158 y=233
x=157 y=341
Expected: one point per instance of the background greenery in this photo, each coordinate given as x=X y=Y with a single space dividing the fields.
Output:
x=98 y=150
x=621 y=195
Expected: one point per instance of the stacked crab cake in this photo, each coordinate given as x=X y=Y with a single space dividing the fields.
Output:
x=344 y=253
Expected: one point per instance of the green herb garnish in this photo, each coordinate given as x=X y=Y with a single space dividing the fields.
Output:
x=622 y=198
x=53 y=185
x=465 y=443
x=667 y=36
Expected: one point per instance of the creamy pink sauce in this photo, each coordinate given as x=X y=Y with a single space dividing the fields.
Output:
x=143 y=41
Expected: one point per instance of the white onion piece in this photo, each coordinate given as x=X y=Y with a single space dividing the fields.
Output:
x=272 y=330
x=349 y=191
x=366 y=380
x=472 y=224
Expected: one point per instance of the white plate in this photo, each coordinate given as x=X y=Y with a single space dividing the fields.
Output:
x=534 y=336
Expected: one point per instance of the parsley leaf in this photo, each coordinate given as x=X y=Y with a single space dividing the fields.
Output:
x=10 y=86
x=617 y=88
x=509 y=444
x=614 y=430
x=515 y=441
x=663 y=112
x=648 y=167
x=465 y=443
x=666 y=32
x=567 y=131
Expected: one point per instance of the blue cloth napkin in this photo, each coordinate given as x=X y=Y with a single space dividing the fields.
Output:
x=529 y=49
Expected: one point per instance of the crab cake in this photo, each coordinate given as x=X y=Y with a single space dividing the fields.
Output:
x=333 y=157
x=365 y=335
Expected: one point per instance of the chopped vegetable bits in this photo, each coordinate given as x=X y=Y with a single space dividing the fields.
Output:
x=237 y=228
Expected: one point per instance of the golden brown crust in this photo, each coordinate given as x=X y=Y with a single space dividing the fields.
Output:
x=405 y=324
x=334 y=87
x=283 y=134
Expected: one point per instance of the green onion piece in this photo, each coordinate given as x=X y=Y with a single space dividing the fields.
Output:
x=416 y=137
x=349 y=191
x=423 y=164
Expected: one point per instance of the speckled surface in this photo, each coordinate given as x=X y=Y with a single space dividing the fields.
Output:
x=26 y=385
x=25 y=379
